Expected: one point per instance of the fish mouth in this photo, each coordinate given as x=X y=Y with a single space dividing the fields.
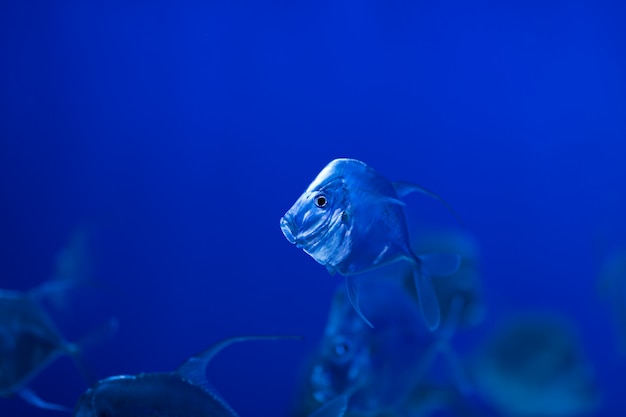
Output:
x=287 y=227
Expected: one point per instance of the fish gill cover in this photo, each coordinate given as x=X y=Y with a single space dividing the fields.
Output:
x=179 y=133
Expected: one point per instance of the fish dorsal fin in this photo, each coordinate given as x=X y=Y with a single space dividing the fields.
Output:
x=194 y=368
x=334 y=408
x=352 y=285
x=404 y=188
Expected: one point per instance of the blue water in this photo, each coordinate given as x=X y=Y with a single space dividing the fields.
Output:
x=182 y=132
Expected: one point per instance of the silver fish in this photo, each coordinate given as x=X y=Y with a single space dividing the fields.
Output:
x=185 y=392
x=351 y=220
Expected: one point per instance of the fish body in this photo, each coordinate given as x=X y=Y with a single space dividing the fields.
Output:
x=185 y=392
x=351 y=219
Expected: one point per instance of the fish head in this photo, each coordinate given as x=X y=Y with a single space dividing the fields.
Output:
x=344 y=356
x=103 y=399
x=339 y=367
x=318 y=221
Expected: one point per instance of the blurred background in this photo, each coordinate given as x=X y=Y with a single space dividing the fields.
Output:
x=178 y=133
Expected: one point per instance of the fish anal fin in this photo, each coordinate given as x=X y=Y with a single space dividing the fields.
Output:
x=352 y=286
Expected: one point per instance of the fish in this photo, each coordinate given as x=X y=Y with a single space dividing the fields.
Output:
x=351 y=220
x=533 y=365
x=30 y=341
x=185 y=392
x=377 y=368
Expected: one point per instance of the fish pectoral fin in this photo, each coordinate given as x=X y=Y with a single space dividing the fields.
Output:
x=33 y=399
x=427 y=296
x=440 y=264
x=336 y=407
x=352 y=286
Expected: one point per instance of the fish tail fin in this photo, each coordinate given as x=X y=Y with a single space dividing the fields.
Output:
x=33 y=399
x=352 y=285
x=95 y=336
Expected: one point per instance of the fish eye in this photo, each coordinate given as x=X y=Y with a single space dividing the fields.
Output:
x=342 y=348
x=320 y=200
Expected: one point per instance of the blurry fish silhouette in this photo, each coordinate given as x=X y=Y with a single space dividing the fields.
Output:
x=612 y=285
x=185 y=392
x=74 y=266
x=533 y=366
x=29 y=341
x=377 y=368
x=350 y=219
